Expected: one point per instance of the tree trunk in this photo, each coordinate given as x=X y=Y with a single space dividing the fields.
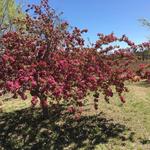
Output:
x=143 y=56
x=45 y=111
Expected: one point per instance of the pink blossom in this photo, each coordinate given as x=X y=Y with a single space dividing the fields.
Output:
x=33 y=83
x=71 y=109
x=34 y=101
x=58 y=91
x=23 y=96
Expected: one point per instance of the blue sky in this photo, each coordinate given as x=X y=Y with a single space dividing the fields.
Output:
x=106 y=16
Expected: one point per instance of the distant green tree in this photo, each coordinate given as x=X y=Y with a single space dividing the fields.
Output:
x=145 y=22
x=9 y=10
x=145 y=52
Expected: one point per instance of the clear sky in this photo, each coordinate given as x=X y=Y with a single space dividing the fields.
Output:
x=106 y=16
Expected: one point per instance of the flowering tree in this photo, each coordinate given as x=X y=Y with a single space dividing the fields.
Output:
x=49 y=61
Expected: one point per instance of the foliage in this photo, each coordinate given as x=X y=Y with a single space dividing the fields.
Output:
x=43 y=57
x=144 y=69
x=9 y=10
x=145 y=22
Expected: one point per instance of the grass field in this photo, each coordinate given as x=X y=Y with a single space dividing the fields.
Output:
x=114 y=126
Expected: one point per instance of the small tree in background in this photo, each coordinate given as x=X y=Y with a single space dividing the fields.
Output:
x=144 y=52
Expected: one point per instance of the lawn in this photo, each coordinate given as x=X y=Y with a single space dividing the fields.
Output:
x=114 y=126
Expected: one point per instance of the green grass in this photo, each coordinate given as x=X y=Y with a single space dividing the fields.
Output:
x=114 y=126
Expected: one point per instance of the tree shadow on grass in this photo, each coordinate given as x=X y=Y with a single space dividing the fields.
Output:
x=27 y=130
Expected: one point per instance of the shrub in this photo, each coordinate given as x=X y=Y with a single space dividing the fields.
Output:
x=47 y=59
